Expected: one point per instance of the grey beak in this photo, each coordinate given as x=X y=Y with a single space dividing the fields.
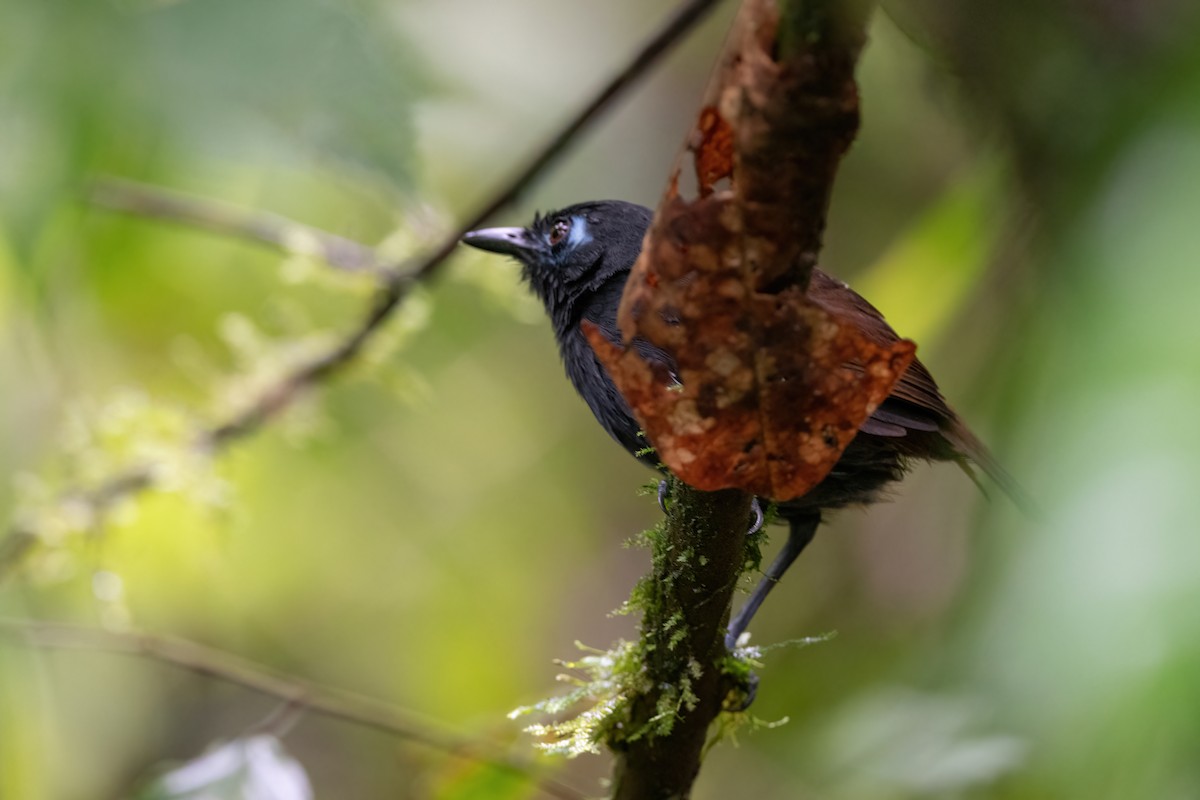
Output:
x=509 y=241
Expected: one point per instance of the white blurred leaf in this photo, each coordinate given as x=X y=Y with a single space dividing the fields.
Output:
x=897 y=742
x=254 y=768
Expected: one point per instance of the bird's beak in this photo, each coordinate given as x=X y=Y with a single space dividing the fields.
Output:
x=509 y=241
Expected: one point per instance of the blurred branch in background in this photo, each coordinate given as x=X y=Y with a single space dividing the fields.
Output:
x=294 y=691
x=289 y=236
x=395 y=281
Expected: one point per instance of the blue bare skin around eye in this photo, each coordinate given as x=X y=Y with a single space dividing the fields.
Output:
x=579 y=232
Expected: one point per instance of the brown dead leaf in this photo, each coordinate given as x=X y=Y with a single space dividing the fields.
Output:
x=713 y=149
x=774 y=386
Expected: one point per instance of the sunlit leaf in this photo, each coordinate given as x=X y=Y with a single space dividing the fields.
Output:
x=484 y=782
x=926 y=275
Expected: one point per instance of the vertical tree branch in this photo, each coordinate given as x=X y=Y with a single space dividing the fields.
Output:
x=696 y=567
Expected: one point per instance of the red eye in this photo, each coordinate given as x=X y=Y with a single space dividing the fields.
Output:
x=560 y=230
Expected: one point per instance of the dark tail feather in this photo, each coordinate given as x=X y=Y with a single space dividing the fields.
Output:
x=973 y=451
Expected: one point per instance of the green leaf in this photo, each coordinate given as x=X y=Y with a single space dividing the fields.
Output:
x=925 y=277
x=485 y=782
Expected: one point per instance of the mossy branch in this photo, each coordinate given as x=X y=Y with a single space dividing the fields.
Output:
x=697 y=558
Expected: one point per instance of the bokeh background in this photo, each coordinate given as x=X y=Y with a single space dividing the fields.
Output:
x=445 y=520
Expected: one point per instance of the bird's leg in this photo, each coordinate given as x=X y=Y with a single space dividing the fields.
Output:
x=800 y=533
x=664 y=490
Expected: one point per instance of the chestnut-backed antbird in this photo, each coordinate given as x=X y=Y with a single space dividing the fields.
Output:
x=577 y=260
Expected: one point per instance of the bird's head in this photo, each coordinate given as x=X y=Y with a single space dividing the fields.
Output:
x=568 y=255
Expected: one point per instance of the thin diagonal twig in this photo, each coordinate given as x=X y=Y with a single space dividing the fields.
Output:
x=394 y=281
x=296 y=692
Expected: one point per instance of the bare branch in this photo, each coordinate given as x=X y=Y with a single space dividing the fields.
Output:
x=395 y=283
x=295 y=691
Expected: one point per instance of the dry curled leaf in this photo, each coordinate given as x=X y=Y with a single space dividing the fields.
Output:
x=771 y=385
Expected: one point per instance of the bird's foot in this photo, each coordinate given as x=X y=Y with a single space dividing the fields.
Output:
x=759 y=517
x=742 y=700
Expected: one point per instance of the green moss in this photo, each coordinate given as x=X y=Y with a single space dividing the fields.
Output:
x=609 y=679
x=610 y=688
x=606 y=684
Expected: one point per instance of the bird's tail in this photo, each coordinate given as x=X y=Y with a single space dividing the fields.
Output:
x=972 y=451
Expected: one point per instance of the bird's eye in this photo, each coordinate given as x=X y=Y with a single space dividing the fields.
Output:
x=560 y=230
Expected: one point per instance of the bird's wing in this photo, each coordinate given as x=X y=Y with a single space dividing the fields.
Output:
x=915 y=402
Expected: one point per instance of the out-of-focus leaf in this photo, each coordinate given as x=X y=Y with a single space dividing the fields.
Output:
x=254 y=768
x=925 y=276
x=898 y=742
x=485 y=782
x=7 y=270
x=131 y=86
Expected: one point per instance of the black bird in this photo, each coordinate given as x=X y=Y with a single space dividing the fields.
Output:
x=577 y=260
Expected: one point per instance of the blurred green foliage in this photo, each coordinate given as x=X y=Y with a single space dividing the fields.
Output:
x=444 y=521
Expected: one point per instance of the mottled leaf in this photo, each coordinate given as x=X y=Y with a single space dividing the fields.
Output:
x=774 y=384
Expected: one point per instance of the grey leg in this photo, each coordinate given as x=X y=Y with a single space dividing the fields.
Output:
x=800 y=533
